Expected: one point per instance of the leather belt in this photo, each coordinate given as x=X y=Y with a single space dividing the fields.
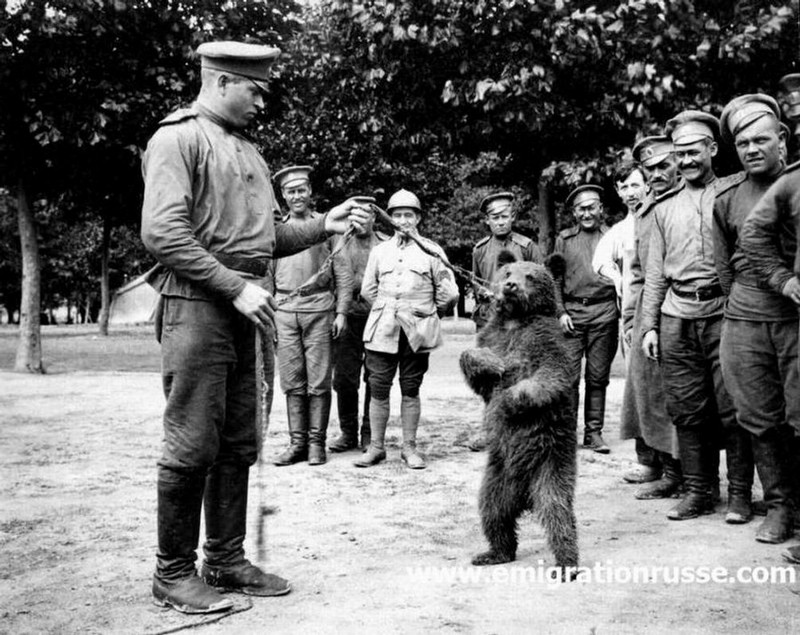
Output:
x=587 y=301
x=701 y=294
x=254 y=266
x=303 y=293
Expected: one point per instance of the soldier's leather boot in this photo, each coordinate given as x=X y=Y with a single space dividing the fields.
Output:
x=409 y=417
x=225 y=566
x=319 y=410
x=297 y=414
x=175 y=583
x=378 y=418
x=669 y=485
x=739 y=459
x=347 y=407
x=699 y=498
x=594 y=412
x=649 y=467
x=773 y=461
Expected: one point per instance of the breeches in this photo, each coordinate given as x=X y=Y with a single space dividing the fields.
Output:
x=348 y=353
x=598 y=343
x=208 y=374
x=693 y=384
x=304 y=352
x=381 y=368
x=759 y=365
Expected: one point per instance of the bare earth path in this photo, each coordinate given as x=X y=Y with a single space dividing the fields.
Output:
x=379 y=550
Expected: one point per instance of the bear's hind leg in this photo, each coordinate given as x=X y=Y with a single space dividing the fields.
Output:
x=500 y=506
x=553 y=495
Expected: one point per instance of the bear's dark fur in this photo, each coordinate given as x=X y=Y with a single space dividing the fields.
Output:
x=520 y=369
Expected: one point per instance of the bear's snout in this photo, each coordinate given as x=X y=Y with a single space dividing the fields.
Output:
x=509 y=286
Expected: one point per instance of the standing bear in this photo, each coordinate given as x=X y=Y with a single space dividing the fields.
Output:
x=520 y=369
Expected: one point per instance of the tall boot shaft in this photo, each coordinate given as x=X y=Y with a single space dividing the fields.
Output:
x=180 y=501
x=695 y=456
x=775 y=463
x=739 y=459
x=297 y=415
x=348 y=421
x=594 y=409
x=319 y=410
x=225 y=508
x=696 y=459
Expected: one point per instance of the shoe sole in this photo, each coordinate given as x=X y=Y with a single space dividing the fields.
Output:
x=706 y=512
x=165 y=604
x=787 y=555
x=252 y=593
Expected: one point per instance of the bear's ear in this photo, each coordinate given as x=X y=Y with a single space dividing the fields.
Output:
x=505 y=257
x=556 y=264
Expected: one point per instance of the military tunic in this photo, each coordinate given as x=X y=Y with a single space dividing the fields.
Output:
x=208 y=201
x=349 y=348
x=407 y=289
x=591 y=302
x=683 y=301
x=763 y=356
x=304 y=322
x=484 y=265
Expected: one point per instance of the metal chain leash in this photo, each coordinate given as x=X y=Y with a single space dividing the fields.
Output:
x=476 y=282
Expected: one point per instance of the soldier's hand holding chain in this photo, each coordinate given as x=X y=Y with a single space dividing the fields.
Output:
x=256 y=304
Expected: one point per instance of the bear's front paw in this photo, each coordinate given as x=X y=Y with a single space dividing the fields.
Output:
x=491 y=557
x=481 y=362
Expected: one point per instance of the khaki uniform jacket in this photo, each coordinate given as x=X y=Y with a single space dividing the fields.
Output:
x=207 y=191
x=407 y=289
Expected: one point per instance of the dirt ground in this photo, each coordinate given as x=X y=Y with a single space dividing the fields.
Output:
x=379 y=550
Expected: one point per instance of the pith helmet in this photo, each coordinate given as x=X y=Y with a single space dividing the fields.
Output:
x=404 y=198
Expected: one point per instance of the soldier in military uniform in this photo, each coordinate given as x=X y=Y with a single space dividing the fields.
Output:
x=408 y=289
x=587 y=309
x=307 y=324
x=769 y=239
x=682 y=307
x=349 y=348
x=758 y=350
x=499 y=215
x=208 y=218
x=644 y=416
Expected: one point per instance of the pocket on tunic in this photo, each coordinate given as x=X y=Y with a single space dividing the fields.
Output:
x=372 y=322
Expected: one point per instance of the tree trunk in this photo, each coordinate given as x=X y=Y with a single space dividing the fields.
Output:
x=29 y=348
x=105 y=294
x=546 y=213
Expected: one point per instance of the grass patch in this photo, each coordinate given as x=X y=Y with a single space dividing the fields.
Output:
x=79 y=347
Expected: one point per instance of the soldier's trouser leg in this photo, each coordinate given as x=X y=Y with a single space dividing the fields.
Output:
x=209 y=382
x=689 y=390
x=348 y=356
x=575 y=344
x=602 y=340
